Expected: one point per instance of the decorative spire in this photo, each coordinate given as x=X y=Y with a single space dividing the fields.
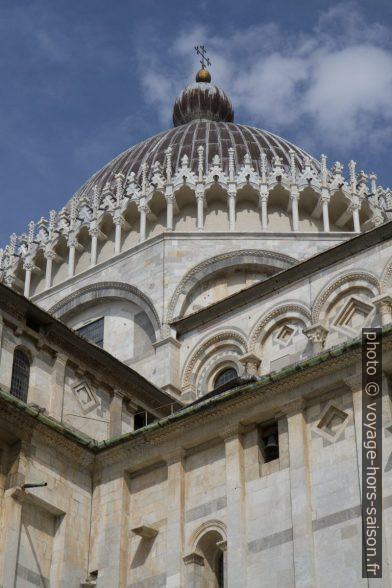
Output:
x=200 y=154
x=203 y=75
x=168 y=164
x=231 y=164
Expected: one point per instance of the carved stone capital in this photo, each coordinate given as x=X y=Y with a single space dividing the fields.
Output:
x=28 y=266
x=383 y=302
x=193 y=558
x=316 y=333
x=97 y=233
x=118 y=219
x=50 y=254
x=143 y=208
x=251 y=362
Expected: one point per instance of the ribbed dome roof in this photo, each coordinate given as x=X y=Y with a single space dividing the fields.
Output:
x=215 y=137
x=202 y=101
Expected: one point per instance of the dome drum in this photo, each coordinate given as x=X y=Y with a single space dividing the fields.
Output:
x=266 y=184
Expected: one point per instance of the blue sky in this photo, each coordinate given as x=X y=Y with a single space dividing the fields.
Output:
x=82 y=80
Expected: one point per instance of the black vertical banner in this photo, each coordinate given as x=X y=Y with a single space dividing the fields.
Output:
x=372 y=452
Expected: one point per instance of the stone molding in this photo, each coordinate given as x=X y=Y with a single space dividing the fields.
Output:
x=211 y=525
x=27 y=427
x=224 y=260
x=213 y=340
x=288 y=310
x=351 y=279
x=105 y=291
x=386 y=277
x=293 y=407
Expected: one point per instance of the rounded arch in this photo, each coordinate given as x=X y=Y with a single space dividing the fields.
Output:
x=213 y=525
x=208 y=347
x=211 y=265
x=344 y=282
x=386 y=277
x=102 y=292
x=266 y=323
x=209 y=544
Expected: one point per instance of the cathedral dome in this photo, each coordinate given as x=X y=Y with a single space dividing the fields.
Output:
x=203 y=117
x=216 y=137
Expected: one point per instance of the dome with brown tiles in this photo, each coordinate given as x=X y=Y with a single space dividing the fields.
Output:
x=215 y=136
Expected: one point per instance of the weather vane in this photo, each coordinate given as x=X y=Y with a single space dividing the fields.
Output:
x=201 y=50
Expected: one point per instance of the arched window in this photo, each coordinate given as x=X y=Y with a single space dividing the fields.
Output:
x=225 y=376
x=213 y=570
x=20 y=375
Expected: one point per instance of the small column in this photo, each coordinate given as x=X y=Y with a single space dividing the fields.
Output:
x=232 y=198
x=28 y=267
x=383 y=304
x=118 y=221
x=236 y=516
x=57 y=386
x=115 y=411
x=264 y=214
x=355 y=211
x=200 y=209
x=294 y=197
x=175 y=518
x=169 y=212
x=71 y=256
x=143 y=209
x=325 y=203
x=301 y=504
x=317 y=334
x=94 y=232
x=49 y=256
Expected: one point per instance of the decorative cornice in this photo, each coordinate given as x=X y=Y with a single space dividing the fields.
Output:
x=27 y=427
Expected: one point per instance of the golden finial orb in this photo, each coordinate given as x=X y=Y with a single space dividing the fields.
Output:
x=203 y=75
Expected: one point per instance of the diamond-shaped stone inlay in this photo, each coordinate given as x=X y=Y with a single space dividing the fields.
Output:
x=85 y=396
x=332 y=423
x=285 y=335
x=353 y=313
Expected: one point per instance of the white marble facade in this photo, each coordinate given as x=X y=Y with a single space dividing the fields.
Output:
x=239 y=252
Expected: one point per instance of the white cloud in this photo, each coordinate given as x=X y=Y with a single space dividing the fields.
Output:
x=334 y=82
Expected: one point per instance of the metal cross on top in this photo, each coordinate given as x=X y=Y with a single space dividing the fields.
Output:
x=201 y=50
